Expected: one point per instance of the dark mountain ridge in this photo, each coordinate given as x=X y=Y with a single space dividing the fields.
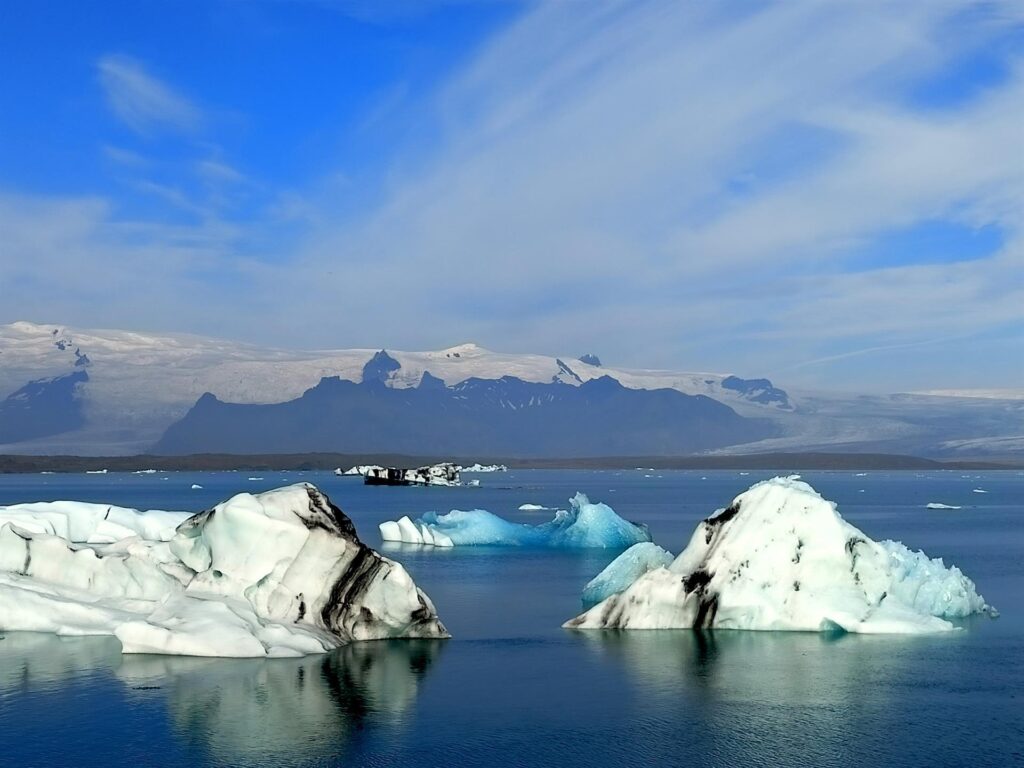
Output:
x=486 y=417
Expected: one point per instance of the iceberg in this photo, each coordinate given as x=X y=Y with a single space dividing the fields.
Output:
x=780 y=557
x=532 y=508
x=939 y=505
x=624 y=570
x=583 y=525
x=485 y=468
x=444 y=473
x=280 y=573
x=358 y=470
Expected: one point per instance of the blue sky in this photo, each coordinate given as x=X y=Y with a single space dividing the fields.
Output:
x=828 y=194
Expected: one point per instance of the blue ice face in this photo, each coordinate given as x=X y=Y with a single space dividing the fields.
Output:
x=624 y=570
x=583 y=525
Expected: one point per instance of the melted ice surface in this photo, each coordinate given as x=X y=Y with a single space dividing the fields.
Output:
x=583 y=525
x=781 y=557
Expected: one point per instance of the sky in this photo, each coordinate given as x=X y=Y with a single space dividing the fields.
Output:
x=828 y=194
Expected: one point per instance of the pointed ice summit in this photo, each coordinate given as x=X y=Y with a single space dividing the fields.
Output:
x=781 y=557
x=280 y=573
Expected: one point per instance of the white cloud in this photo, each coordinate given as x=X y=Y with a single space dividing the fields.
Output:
x=142 y=101
x=662 y=183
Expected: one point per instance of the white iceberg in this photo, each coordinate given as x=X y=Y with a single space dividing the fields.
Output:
x=532 y=508
x=781 y=558
x=583 y=525
x=281 y=573
x=939 y=505
x=358 y=470
x=624 y=570
x=485 y=468
x=196 y=487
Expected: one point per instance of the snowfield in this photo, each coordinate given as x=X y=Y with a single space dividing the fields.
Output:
x=780 y=557
x=281 y=573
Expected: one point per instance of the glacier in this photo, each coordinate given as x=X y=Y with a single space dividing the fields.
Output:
x=583 y=525
x=780 y=557
x=279 y=573
x=624 y=570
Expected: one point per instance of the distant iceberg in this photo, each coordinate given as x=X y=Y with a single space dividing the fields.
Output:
x=532 y=508
x=485 y=468
x=780 y=557
x=625 y=569
x=583 y=525
x=445 y=473
x=280 y=573
x=938 y=505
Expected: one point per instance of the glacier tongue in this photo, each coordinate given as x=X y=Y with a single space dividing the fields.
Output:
x=781 y=557
x=281 y=573
x=584 y=525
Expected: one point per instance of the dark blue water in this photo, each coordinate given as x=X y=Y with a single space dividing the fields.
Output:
x=512 y=688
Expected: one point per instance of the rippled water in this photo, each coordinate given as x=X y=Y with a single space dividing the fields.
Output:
x=511 y=688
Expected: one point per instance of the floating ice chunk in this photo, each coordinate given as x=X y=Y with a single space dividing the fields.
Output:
x=980 y=490
x=938 y=505
x=625 y=569
x=280 y=573
x=583 y=525
x=485 y=468
x=780 y=557
x=196 y=487
x=531 y=508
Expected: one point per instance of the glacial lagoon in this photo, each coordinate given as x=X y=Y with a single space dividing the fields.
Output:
x=511 y=682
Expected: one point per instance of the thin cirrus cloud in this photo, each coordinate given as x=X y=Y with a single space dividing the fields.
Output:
x=681 y=185
x=594 y=156
x=141 y=100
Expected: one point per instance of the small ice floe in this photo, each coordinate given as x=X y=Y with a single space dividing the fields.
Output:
x=980 y=490
x=861 y=474
x=255 y=478
x=95 y=471
x=473 y=483
x=938 y=505
x=196 y=487
x=532 y=508
x=144 y=472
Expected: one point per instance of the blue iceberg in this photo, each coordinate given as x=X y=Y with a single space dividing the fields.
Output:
x=583 y=525
x=624 y=570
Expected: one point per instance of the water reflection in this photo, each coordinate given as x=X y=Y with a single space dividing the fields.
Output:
x=797 y=696
x=242 y=711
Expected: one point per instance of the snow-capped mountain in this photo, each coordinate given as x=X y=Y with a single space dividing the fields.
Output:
x=105 y=392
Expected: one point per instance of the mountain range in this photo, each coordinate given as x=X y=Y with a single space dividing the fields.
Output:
x=92 y=392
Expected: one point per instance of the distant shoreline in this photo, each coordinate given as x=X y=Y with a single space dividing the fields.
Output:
x=12 y=463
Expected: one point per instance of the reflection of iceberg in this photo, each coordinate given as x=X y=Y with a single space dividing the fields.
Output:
x=280 y=573
x=583 y=525
x=242 y=711
x=624 y=570
x=781 y=557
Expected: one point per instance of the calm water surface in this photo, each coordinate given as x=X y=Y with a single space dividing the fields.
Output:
x=512 y=688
